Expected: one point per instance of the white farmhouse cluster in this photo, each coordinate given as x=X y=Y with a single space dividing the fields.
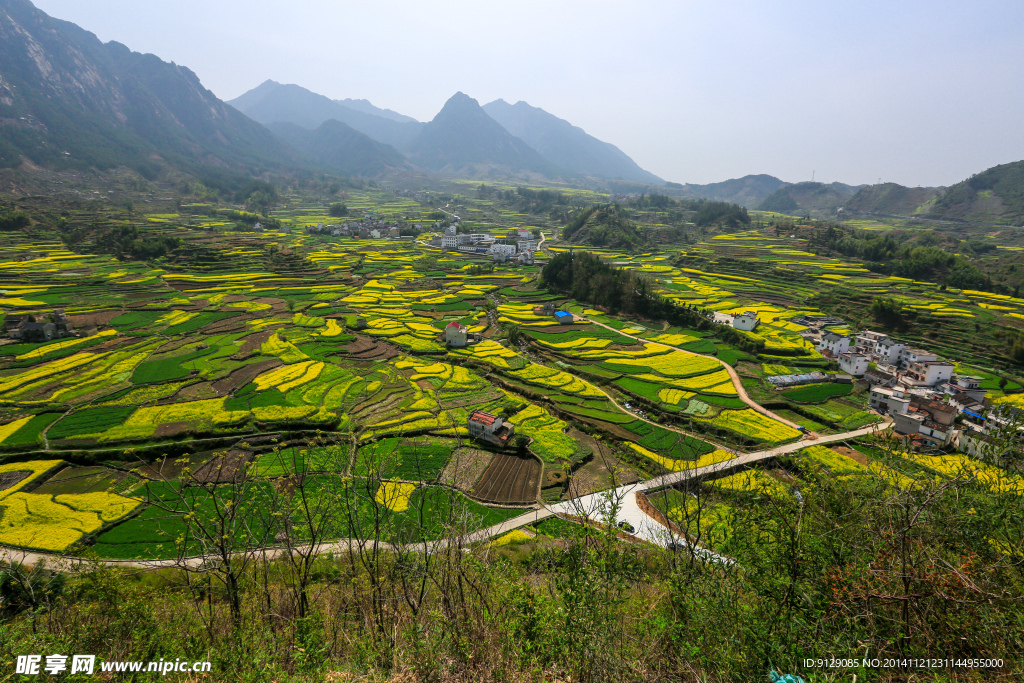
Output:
x=922 y=393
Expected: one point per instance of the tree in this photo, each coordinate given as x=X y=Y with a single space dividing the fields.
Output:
x=337 y=210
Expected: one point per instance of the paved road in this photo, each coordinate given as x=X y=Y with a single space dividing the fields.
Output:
x=591 y=505
x=732 y=373
x=597 y=505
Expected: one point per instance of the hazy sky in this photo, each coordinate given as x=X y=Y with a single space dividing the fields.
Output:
x=909 y=91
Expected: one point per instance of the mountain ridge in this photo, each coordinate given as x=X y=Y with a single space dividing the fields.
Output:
x=565 y=145
x=70 y=100
x=272 y=102
x=462 y=135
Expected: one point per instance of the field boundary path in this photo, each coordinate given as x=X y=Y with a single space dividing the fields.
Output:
x=732 y=373
x=645 y=527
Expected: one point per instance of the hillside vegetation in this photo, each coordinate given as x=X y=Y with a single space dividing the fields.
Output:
x=995 y=195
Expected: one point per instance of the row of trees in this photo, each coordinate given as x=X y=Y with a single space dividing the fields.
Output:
x=913 y=255
x=897 y=564
x=585 y=277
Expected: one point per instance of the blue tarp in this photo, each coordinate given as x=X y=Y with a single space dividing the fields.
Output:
x=980 y=417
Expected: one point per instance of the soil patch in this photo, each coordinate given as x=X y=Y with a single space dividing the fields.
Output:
x=364 y=348
x=251 y=344
x=242 y=376
x=466 y=467
x=509 y=480
x=852 y=454
x=9 y=479
x=172 y=428
x=604 y=471
x=94 y=319
x=223 y=468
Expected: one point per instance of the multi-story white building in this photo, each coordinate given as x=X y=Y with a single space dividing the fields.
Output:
x=834 y=343
x=853 y=363
x=867 y=342
x=507 y=249
x=888 y=350
x=455 y=334
x=911 y=355
x=928 y=373
x=893 y=401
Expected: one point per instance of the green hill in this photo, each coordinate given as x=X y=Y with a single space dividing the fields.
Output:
x=892 y=199
x=606 y=225
x=992 y=196
x=815 y=198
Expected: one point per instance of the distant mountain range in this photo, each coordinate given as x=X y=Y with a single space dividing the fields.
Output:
x=339 y=146
x=69 y=101
x=565 y=145
x=464 y=138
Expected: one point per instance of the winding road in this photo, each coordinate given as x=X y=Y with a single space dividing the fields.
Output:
x=645 y=527
x=732 y=373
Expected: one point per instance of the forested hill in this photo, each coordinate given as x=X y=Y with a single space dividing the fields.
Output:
x=808 y=198
x=68 y=100
x=613 y=226
x=891 y=198
x=992 y=196
x=605 y=225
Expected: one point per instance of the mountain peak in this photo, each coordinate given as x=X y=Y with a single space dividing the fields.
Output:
x=462 y=135
x=565 y=145
x=459 y=101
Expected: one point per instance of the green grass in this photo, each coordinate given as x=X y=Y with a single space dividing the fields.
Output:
x=30 y=433
x=90 y=421
x=817 y=393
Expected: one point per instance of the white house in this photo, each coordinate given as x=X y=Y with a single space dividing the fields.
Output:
x=746 y=321
x=888 y=350
x=450 y=231
x=455 y=334
x=912 y=355
x=893 y=401
x=375 y=234
x=853 y=363
x=454 y=241
x=527 y=245
x=867 y=342
x=524 y=234
x=490 y=428
x=526 y=258
x=507 y=249
x=835 y=343
x=928 y=373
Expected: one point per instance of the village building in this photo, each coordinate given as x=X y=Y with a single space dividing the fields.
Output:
x=912 y=355
x=455 y=334
x=965 y=389
x=853 y=363
x=928 y=373
x=507 y=249
x=867 y=342
x=894 y=401
x=834 y=343
x=564 y=317
x=881 y=377
x=887 y=350
x=27 y=328
x=746 y=321
x=490 y=428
